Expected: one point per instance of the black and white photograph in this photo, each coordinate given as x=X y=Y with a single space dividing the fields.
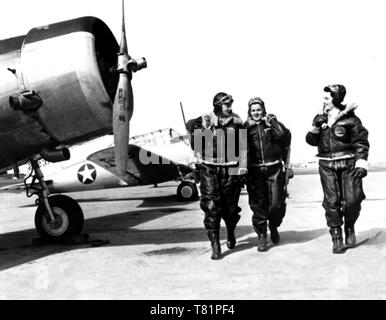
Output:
x=203 y=151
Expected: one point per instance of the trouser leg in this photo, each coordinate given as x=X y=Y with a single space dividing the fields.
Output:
x=230 y=189
x=258 y=198
x=353 y=196
x=258 y=201
x=276 y=196
x=210 y=204
x=210 y=198
x=331 y=184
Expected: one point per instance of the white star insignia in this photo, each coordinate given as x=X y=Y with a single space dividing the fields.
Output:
x=87 y=174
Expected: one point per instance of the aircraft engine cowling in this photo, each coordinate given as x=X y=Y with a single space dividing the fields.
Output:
x=68 y=65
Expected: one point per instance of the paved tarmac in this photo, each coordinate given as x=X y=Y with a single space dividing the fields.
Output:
x=158 y=250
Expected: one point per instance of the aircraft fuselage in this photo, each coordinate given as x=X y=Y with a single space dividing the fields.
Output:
x=68 y=65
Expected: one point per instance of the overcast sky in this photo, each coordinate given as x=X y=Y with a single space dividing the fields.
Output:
x=284 y=51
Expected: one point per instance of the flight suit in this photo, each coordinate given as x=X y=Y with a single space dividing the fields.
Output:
x=340 y=148
x=219 y=185
x=267 y=150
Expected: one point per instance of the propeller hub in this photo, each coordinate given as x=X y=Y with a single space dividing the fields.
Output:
x=135 y=65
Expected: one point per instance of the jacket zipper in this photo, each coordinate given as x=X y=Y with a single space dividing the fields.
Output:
x=261 y=143
x=329 y=137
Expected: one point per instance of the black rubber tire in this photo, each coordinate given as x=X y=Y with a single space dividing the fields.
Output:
x=187 y=191
x=69 y=214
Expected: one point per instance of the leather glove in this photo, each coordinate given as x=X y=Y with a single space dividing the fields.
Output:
x=290 y=173
x=319 y=120
x=360 y=173
x=268 y=118
x=315 y=130
x=207 y=122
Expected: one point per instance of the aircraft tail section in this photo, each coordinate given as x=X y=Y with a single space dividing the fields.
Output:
x=144 y=167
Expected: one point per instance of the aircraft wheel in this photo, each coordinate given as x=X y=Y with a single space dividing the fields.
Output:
x=187 y=191
x=69 y=218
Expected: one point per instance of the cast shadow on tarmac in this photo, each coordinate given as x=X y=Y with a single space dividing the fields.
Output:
x=368 y=238
x=287 y=237
x=20 y=247
x=17 y=248
x=120 y=230
x=123 y=229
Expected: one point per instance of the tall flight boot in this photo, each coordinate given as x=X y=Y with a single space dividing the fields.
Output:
x=349 y=232
x=337 y=240
x=231 y=240
x=214 y=237
x=275 y=236
x=261 y=238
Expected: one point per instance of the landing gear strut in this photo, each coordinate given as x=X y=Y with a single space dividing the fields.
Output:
x=57 y=216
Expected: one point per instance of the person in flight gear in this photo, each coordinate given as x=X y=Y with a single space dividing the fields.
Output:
x=268 y=144
x=220 y=149
x=343 y=149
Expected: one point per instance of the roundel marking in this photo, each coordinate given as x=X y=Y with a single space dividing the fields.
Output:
x=87 y=174
x=340 y=131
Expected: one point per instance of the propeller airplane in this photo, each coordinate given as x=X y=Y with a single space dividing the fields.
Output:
x=60 y=84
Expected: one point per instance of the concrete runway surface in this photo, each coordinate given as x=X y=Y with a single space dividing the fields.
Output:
x=158 y=250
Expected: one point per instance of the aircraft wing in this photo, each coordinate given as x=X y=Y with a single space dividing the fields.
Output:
x=143 y=167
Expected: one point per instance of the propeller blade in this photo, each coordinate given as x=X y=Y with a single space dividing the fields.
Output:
x=123 y=105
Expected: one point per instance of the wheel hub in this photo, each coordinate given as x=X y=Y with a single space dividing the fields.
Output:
x=57 y=223
x=186 y=192
x=59 y=226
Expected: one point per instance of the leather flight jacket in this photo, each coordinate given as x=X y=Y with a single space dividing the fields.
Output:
x=219 y=151
x=266 y=144
x=346 y=138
